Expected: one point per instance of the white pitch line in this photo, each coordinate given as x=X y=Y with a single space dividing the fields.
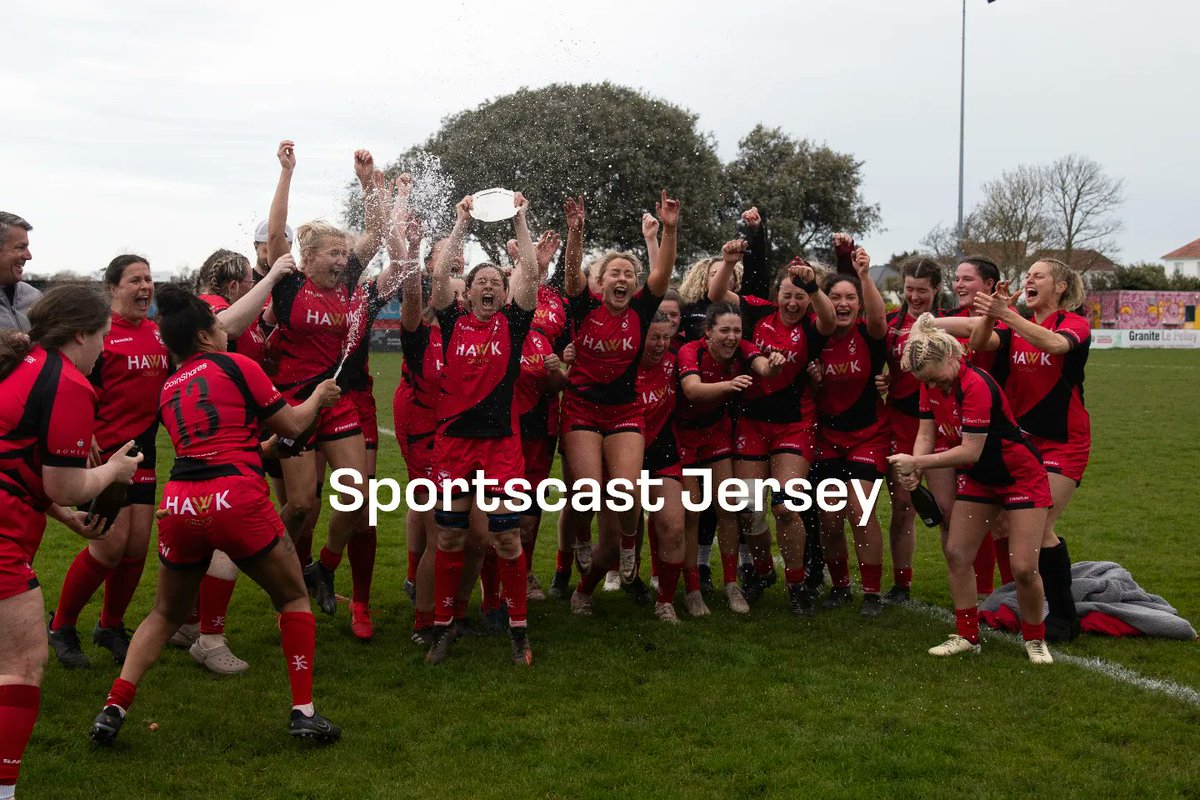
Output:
x=1175 y=691
x=387 y=431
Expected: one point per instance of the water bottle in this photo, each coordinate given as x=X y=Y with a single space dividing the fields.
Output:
x=108 y=504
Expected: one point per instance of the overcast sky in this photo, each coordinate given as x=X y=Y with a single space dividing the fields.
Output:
x=149 y=128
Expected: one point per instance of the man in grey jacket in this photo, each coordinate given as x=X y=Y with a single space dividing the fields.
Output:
x=16 y=296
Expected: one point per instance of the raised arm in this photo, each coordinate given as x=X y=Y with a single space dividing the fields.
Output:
x=650 y=236
x=376 y=205
x=659 y=279
x=872 y=299
x=574 y=281
x=277 y=243
x=523 y=290
x=756 y=276
x=718 y=288
x=443 y=292
x=805 y=277
x=247 y=308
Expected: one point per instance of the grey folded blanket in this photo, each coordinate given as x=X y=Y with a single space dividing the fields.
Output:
x=1109 y=588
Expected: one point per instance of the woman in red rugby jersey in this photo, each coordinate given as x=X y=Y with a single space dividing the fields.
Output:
x=713 y=373
x=226 y=283
x=852 y=435
x=656 y=391
x=128 y=376
x=602 y=420
x=47 y=417
x=477 y=431
x=775 y=430
x=312 y=310
x=1040 y=363
x=217 y=499
x=997 y=469
x=922 y=281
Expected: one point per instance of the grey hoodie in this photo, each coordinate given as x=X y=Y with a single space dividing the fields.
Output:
x=12 y=315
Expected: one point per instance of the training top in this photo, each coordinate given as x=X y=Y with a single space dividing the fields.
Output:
x=779 y=398
x=212 y=408
x=657 y=394
x=532 y=394
x=47 y=417
x=608 y=346
x=976 y=404
x=251 y=343
x=423 y=364
x=482 y=363
x=848 y=400
x=695 y=359
x=128 y=377
x=1046 y=391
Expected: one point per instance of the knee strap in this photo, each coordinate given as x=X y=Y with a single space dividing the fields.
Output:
x=498 y=523
x=455 y=520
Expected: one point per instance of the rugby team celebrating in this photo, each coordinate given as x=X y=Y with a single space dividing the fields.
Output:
x=263 y=372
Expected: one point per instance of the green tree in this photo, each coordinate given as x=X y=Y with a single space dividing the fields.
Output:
x=613 y=145
x=806 y=192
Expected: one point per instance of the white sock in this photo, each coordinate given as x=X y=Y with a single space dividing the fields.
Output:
x=210 y=641
x=703 y=554
x=306 y=709
x=744 y=555
x=7 y=792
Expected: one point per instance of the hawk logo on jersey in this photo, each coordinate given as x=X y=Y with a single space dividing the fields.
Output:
x=1032 y=360
x=844 y=368
x=622 y=345
x=315 y=317
x=656 y=396
x=197 y=506
x=144 y=363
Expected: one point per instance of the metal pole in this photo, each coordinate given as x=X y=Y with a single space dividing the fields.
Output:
x=962 y=116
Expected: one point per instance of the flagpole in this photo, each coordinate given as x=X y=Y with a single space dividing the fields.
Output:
x=962 y=117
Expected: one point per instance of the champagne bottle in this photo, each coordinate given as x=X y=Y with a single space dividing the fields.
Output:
x=108 y=504
x=926 y=505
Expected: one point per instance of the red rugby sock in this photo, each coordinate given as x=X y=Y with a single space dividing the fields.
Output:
x=414 y=559
x=794 y=576
x=119 y=587
x=872 y=577
x=668 y=581
x=985 y=566
x=729 y=564
x=329 y=559
x=966 y=620
x=422 y=619
x=513 y=574
x=121 y=694
x=691 y=579
x=1033 y=633
x=298 y=632
x=18 y=712
x=215 y=594
x=562 y=561
x=83 y=579
x=903 y=576
x=361 y=552
x=448 y=567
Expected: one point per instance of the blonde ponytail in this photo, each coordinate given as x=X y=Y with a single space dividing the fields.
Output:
x=927 y=345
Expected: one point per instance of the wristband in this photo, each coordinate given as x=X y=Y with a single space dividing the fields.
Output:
x=811 y=287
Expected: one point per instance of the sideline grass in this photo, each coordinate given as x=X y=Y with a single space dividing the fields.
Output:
x=724 y=707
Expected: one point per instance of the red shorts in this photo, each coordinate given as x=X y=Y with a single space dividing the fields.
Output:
x=579 y=414
x=364 y=406
x=1066 y=458
x=755 y=440
x=904 y=429
x=538 y=453
x=418 y=454
x=16 y=573
x=458 y=457
x=401 y=409
x=233 y=514
x=337 y=422
x=701 y=446
x=859 y=455
x=1030 y=490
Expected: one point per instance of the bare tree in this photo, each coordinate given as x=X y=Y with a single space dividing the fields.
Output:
x=1012 y=217
x=1081 y=201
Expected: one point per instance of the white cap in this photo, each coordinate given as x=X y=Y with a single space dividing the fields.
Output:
x=260 y=233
